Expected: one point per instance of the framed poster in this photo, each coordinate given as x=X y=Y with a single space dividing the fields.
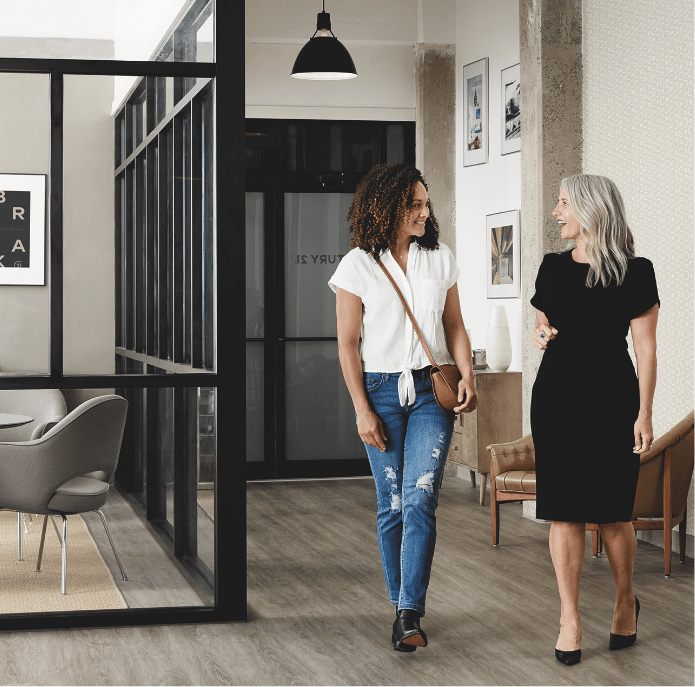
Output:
x=475 y=115
x=503 y=255
x=22 y=228
x=511 y=110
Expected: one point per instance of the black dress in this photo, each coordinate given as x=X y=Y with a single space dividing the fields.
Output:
x=586 y=397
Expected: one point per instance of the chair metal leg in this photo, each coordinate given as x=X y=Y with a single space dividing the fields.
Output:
x=65 y=555
x=20 y=554
x=24 y=522
x=64 y=544
x=43 y=538
x=55 y=527
x=115 y=553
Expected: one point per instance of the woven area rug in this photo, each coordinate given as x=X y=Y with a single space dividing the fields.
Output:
x=206 y=500
x=90 y=585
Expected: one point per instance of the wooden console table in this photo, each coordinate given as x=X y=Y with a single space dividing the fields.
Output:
x=496 y=419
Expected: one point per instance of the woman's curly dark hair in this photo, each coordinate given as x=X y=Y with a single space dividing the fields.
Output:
x=379 y=206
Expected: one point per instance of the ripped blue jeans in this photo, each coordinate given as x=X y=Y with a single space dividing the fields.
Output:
x=407 y=477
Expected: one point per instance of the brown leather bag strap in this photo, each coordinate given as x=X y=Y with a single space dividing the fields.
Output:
x=407 y=310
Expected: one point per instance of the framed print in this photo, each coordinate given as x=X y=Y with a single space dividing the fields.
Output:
x=511 y=109
x=503 y=255
x=475 y=115
x=22 y=228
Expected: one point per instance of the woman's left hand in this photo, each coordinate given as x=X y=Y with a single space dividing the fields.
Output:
x=644 y=434
x=467 y=397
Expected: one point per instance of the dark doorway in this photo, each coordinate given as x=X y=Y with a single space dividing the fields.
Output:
x=300 y=179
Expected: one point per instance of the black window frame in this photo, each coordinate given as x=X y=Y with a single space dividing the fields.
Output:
x=230 y=598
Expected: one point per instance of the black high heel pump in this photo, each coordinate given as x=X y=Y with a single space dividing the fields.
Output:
x=624 y=641
x=569 y=658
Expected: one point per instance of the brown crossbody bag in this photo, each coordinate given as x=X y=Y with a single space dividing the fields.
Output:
x=445 y=378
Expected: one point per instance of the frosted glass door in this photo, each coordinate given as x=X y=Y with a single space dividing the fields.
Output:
x=255 y=275
x=316 y=238
x=319 y=415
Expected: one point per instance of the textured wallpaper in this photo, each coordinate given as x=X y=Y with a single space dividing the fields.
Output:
x=638 y=130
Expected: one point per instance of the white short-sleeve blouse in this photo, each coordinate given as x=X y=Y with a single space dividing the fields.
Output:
x=389 y=342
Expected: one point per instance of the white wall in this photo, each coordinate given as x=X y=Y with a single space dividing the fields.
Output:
x=140 y=26
x=83 y=19
x=87 y=223
x=379 y=36
x=138 y=29
x=638 y=130
x=79 y=29
x=493 y=32
x=24 y=146
x=88 y=226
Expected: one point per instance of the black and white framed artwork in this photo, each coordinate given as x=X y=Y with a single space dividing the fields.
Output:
x=511 y=110
x=475 y=113
x=503 y=255
x=22 y=229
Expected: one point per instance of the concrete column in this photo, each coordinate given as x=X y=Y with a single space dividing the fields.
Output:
x=435 y=130
x=551 y=144
x=435 y=138
x=551 y=149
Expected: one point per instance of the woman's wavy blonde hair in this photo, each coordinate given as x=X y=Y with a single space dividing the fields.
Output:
x=600 y=211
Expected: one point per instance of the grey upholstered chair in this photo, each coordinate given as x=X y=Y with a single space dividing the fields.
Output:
x=66 y=471
x=47 y=407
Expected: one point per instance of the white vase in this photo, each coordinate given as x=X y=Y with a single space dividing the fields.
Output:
x=499 y=343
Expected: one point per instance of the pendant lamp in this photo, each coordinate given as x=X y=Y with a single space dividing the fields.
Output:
x=324 y=56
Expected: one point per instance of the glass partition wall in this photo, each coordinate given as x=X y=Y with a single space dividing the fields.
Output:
x=131 y=294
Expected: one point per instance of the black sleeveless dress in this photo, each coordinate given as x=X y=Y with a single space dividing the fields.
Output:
x=585 y=398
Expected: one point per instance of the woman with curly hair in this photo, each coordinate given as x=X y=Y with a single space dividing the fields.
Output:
x=405 y=432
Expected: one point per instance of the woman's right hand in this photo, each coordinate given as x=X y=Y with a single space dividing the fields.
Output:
x=371 y=430
x=548 y=335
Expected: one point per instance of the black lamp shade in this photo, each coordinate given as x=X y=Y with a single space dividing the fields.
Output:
x=324 y=57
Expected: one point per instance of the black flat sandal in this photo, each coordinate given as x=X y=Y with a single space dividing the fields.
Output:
x=624 y=641
x=407 y=634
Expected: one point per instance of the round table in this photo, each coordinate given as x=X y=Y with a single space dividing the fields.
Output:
x=9 y=420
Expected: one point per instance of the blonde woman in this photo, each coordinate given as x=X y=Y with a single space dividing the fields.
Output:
x=591 y=416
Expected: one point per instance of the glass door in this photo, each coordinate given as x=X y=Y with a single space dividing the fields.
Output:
x=300 y=179
x=319 y=418
x=294 y=382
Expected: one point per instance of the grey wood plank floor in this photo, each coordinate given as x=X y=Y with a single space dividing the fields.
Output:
x=318 y=611
x=153 y=579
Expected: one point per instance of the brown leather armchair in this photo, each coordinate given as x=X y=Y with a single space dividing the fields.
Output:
x=512 y=477
x=662 y=490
